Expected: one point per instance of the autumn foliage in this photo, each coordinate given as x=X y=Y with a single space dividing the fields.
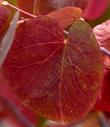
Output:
x=58 y=65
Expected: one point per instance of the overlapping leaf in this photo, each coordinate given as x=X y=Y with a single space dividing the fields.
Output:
x=73 y=13
x=66 y=16
x=57 y=80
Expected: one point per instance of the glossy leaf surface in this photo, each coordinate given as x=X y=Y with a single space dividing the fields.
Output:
x=57 y=79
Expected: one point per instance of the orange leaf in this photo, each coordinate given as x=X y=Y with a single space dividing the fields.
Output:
x=66 y=16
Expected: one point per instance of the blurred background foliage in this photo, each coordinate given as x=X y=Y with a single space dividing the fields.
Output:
x=12 y=1
x=101 y=19
x=93 y=23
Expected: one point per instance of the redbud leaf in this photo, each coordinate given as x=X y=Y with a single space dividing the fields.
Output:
x=66 y=16
x=5 y=15
x=57 y=79
x=93 y=12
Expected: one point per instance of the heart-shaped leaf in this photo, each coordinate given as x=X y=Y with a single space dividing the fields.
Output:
x=57 y=79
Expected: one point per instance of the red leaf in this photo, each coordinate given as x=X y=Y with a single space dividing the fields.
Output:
x=95 y=9
x=66 y=16
x=4 y=18
x=103 y=102
x=57 y=80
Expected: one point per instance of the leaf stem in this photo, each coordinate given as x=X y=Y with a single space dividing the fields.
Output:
x=66 y=32
x=105 y=51
x=5 y=3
